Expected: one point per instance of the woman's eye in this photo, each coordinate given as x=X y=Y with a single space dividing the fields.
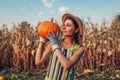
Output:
x=68 y=25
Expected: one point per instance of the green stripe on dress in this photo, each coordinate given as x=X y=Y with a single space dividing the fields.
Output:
x=56 y=70
x=52 y=66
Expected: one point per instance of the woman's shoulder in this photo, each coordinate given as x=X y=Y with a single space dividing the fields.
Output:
x=74 y=47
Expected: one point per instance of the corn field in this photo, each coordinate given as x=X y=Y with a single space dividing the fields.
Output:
x=102 y=47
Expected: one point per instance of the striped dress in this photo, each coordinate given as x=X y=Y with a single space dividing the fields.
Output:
x=55 y=70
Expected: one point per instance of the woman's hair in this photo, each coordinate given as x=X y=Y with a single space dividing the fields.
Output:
x=77 y=36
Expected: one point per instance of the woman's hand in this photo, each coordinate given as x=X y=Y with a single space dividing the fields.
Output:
x=43 y=40
x=53 y=39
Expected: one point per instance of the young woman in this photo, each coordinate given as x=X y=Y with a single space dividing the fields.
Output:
x=64 y=55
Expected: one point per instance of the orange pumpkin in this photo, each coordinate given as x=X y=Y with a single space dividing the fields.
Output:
x=86 y=71
x=2 y=78
x=47 y=26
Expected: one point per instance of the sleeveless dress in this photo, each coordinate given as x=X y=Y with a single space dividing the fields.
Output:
x=55 y=70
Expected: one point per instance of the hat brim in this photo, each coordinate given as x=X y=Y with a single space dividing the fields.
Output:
x=78 y=20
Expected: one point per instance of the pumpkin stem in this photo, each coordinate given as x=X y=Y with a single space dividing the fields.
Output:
x=52 y=19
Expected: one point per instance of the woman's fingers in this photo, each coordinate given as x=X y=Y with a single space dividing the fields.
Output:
x=57 y=34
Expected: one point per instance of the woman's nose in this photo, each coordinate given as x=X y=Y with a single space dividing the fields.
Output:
x=63 y=28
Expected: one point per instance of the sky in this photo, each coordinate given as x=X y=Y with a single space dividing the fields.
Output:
x=35 y=11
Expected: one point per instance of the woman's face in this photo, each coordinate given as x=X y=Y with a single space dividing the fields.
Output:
x=68 y=28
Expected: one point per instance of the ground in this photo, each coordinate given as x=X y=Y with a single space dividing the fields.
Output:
x=10 y=74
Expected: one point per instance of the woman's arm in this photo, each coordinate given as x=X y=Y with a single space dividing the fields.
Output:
x=68 y=63
x=41 y=55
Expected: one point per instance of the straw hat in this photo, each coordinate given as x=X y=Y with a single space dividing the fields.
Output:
x=77 y=19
